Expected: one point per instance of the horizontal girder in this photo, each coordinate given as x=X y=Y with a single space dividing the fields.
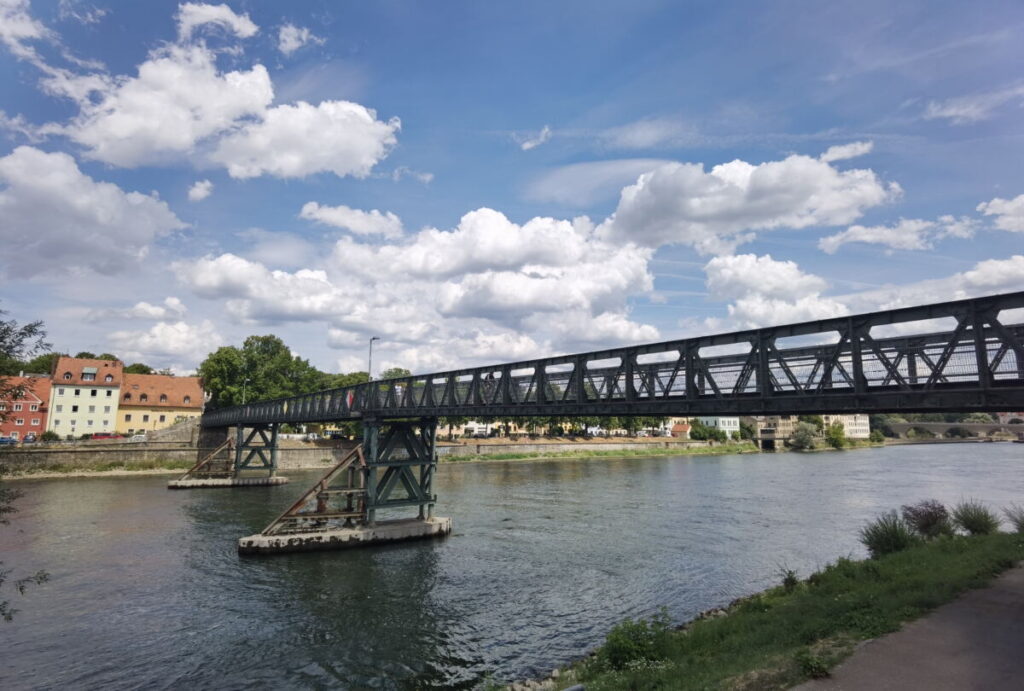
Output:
x=838 y=365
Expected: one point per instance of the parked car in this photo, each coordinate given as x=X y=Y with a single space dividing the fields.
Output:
x=8 y=441
x=137 y=438
x=107 y=435
x=30 y=438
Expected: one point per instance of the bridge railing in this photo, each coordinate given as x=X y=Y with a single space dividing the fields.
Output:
x=833 y=364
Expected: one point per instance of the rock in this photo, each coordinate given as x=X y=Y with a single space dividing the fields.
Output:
x=555 y=673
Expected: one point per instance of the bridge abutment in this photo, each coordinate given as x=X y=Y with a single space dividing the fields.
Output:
x=247 y=460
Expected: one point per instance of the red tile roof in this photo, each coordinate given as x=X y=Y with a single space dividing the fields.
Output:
x=35 y=388
x=174 y=390
x=75 y=367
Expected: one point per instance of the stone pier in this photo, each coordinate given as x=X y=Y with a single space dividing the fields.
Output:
x=344 y=538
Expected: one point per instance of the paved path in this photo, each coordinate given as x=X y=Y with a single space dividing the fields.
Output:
x=975 y=642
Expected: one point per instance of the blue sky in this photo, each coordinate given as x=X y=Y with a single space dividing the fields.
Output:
x=480 y=182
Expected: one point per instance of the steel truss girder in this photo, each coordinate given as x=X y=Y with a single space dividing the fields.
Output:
x=979 y=365
x=400 y=462
x=256 y=449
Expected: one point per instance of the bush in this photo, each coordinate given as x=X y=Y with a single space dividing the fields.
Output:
x=887 y=534
x=636 y=641
x=49 y=435
x=974 y=518
x=811 y=665
x=876 y=436
x=928 y=518
x=789 y=579
x=803 y=436
x=835 y=435
x=1015 y=514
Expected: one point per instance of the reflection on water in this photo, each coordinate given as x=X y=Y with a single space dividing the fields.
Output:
x=148 y=589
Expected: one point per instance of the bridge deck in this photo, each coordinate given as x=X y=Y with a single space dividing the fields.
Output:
x=841 y=364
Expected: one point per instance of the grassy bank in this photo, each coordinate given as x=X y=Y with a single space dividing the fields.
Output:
x=51 y=469
x=596 y=452
x=799 y=630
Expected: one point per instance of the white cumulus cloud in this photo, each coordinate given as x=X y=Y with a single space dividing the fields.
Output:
x=1009 y=213
x=533 y=142
x=843 y=152
x=168 y=341
x=713 y=211
x=53 y=217
x=360 y=222
x=193 y=15
x=290 y=38
x=293 y=141
x=906 y=234
x=200 y=190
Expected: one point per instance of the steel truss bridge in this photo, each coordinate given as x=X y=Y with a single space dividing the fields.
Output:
x=965 y=355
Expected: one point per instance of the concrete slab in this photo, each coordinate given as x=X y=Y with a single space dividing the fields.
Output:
x=975 y=642
x=345 y=538
x=227 y=482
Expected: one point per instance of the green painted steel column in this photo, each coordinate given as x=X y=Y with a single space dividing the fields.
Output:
x=239 y=441
x=371 y=438
x=273 y=449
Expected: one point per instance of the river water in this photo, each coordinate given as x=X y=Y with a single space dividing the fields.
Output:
x=147 y=589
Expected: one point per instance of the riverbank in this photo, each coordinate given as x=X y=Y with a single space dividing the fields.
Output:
x=796 y=631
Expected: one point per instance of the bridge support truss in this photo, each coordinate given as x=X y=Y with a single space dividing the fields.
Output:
x=355 y=502
x=248 y=460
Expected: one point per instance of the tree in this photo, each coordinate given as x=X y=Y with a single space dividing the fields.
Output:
x=87 y=355
x=815 y=420
x=835 y=435
x=984 y=418
x=876 y=436
x=42 y=364
x=747 y=430
x=263 y=368
x=803 y=436
x=395 y=373
x=107 y=356
x=16 y=343
x=138 y=368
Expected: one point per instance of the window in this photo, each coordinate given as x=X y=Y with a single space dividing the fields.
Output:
x=34 y=407
x=67 y=376
x=59 y=408
x=92 y=409
x=17 y=407
x=78 y=392
x=106 y=409
x=127 y=397
x=3 y=406
x=109 y=377
x=143 y=398
x=188 y=399
x=162 y=418
x=73 y=422
x=94 y=392
x=109 y=392
x=89 y=376
x=20 y=421
x=145 y=418
x=89 y=423
x=74 y=409
x=163 y=398
x=35 y=421
x=60 y=391
x=56 y=423
x=14 y=435
x=127 y=417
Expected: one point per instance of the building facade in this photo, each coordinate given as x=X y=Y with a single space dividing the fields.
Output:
x=781 y=427
x=154 y=401
x=83 y=396
x=729 y=425
x=26 y=414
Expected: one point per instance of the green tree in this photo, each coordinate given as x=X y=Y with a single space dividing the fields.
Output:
x=17 y=342
x=876 y=436
x=747 y=430
x=835 y=435
x=42 y=364
x=138 y=368
x=262 y=369
x=107 y=356
x=803 y=436
x=983 y=418
x=87 y=355
x=815 y=420
x=395 y=373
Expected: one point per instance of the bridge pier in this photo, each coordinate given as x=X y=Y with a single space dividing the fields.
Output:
x=248 y=460
x=356 y=501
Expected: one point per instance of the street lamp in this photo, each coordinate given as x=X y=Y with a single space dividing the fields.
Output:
x=369 y=360
x=244 y=382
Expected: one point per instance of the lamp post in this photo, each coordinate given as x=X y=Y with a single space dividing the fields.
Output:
x=244 y=382
x=369 y=360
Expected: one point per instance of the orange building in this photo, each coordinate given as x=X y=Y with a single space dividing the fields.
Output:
x=155 y=401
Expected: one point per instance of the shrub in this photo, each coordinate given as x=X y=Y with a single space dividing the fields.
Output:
x=835 y=435
x=887 y=534
x=1015 y=514
x=635 y=641
x=803 y=436
x=811 y=665
x=789 y=579
x=929 y=518
x=876 y=436
x=49 y=435
x=974 y=518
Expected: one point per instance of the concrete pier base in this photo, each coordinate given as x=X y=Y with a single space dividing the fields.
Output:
x=227 y=482
x=344 y=538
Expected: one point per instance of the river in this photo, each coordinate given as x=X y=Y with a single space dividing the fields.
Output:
x=147 y=589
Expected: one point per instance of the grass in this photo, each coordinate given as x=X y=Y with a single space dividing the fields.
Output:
x=1015 y=515
x=887 y=534
x=777 y=638
x=105 y=466
x=974 y=518
x=593 y=452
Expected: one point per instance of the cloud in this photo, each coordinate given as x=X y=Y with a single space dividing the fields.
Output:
x=178 y=99
x=964 y=110
x=371 y=222
x=734 y=276
x=533 y=142
x=166 y=341
x=649 y=133
x=173 y=308
x=192 y=16
x=847 y=151
x=1009 y=213
x=907 y=234
x=582 y=184
x=200 y=190
x=294 y=141
x=290 y=38
x=713 y=211
x=404 y=171
x=277 y=249
x=54 y=218
x=83 y=14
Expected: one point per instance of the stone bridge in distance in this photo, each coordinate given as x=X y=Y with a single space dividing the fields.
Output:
x=965 y=355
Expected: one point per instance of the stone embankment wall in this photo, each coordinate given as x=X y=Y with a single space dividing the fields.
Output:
x=470 y=449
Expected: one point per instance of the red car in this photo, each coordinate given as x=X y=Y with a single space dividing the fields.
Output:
x=107 y=435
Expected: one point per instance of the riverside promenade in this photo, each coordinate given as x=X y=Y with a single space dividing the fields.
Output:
x=975 y=642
